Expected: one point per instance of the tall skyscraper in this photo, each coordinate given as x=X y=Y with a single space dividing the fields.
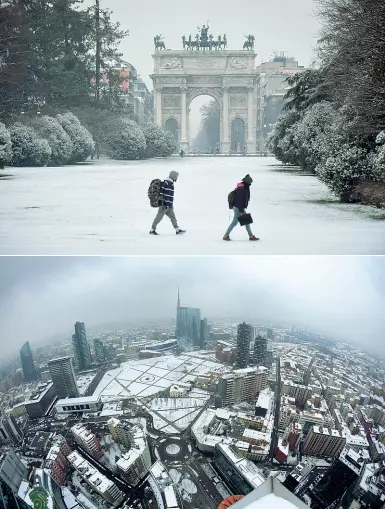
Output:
x=63 y=377
x=100 y=351
x=12 y=473
x=341 y=475
x=81 y=346
x=260 y=351
x=204 y=333
x=29 y=370
x=243 y=345
x=188 y=324
x=10 y=431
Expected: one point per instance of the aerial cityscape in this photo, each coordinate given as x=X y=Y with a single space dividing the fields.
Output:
x=194 y=412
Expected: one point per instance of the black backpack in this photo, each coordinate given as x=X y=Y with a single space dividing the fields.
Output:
x=230 y=199
x=155 y=192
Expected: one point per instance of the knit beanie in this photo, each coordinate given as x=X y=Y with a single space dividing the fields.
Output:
x=174 y=175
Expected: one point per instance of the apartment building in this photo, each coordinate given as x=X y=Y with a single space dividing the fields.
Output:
x=241 y=385
x=324 y=442
x=96 y=480
x=87 y=440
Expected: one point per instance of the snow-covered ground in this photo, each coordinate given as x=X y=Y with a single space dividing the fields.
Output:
x=181 y=411
x=151 y=376
x=102 y=208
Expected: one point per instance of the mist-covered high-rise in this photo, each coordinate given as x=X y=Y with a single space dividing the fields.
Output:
x=244 y=334
x=81 y=346
x=26 y=357
x=188 y=324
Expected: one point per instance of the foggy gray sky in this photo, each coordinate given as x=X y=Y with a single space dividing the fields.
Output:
x=277 y=25
x=41 y=297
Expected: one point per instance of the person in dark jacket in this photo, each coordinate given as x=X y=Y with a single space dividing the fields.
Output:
x=240 y=204
x=166 y=204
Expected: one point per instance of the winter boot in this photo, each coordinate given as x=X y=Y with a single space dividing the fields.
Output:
x=253 y=237
x=226 y=237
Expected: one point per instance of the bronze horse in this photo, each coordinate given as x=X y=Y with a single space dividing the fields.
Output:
x=249 y=44
x=159 y=44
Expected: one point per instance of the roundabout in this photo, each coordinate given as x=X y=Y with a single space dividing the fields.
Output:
x=173 y=449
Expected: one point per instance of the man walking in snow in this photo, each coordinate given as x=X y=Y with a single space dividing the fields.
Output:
x=166 y=204
x=240 y=203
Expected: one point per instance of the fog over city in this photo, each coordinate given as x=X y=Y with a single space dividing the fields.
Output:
x=43 y=297
x=278 y=26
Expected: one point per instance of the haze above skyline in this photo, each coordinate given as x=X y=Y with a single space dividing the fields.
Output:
x=277 y=26
x=43 y=297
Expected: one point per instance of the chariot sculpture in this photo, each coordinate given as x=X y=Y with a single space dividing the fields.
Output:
x=203 y=40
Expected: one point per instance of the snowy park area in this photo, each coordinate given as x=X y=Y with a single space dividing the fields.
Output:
x=179 y=411
x=102 y=208
x=150 y=377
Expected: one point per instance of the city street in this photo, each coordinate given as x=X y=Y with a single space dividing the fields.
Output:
x=103 y=208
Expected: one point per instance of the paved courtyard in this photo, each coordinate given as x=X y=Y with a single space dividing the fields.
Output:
x=102 y=208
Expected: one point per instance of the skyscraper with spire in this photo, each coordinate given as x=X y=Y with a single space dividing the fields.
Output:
x=188 y=324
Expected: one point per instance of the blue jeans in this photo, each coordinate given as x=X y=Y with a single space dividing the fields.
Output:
x=234 y=223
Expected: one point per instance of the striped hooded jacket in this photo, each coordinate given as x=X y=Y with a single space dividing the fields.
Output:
x=167 y=193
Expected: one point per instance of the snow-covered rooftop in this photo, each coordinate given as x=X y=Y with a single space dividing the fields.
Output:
x=246 y=468
x=97 y=480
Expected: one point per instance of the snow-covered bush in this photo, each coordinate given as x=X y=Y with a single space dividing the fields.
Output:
x=5 y=146
x=346 y=169
x=27 y=148
x=126 y=142
x=314 y=134
x=82 y=142
x=281 y=140
x=49 y=129
x=159 y=142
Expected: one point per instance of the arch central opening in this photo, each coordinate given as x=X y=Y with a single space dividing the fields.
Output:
x=204 y=131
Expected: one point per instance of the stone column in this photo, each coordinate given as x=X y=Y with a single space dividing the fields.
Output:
x=158 y=106
x=225 y=121
x=183 y=100
x=251 y=135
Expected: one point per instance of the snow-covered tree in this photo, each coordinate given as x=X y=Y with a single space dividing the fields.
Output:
x=313 y=133
x=82 y=142
x=281 y=140
x=5 y=146
x=345 y=169
x=27 y=148
x=59 y=141
x=127 y=143
x=378 y=157
x=159 y=142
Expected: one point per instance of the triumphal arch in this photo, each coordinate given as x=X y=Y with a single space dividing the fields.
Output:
x=206 y=67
